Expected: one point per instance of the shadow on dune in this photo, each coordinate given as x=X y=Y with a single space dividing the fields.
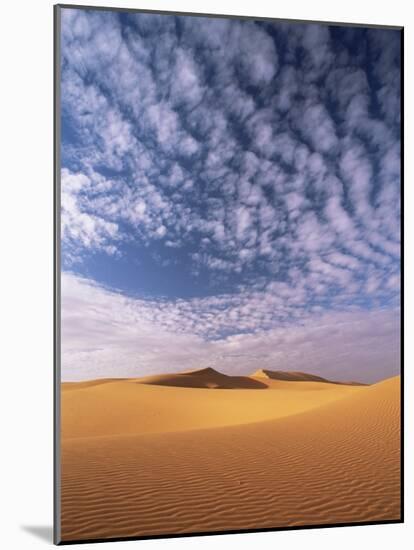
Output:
x=204 y=378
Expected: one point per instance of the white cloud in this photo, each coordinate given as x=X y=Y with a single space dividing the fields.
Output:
x=247 y=165
x=186 y=85
x=141 y=337
x=318 y=128
x=357 y=170
x=81 y=228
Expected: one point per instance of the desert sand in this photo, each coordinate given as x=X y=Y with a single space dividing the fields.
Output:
x=293 y=376
x=201 y=452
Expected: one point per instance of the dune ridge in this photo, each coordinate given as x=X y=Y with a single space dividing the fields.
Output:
x=335 y=462
x=297 y=376
x=137 y=406
x=203 y=378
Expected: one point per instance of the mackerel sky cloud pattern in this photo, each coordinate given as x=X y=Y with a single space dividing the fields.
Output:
x=230 y=196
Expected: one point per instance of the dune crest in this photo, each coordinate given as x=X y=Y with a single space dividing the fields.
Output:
x=297 y=376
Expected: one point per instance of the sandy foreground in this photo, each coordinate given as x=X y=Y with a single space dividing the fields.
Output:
x=193 y=453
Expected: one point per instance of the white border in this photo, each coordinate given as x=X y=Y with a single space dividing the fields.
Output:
x=26 y=276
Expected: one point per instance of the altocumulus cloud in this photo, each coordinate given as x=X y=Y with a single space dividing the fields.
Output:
x=258 y=161
x=106 y=334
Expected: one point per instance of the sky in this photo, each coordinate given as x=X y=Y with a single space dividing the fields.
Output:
x=230 y=196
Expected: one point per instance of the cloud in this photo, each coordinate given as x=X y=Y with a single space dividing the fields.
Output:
x=318 y=128
x=80 y=227
x=316 y=42
x=186 y=84
x=357 y=170
x=141 y=337
x=256 y=161
x=256 y=55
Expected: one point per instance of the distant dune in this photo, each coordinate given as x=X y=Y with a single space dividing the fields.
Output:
x=140 y=458
x=204 y=378
x=177 y=402
x=295 y=376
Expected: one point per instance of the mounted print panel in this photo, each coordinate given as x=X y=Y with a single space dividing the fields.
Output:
x=228 y=196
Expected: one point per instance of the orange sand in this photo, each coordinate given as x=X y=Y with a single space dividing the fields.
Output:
x=140 y=458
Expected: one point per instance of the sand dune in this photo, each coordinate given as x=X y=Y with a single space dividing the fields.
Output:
x=204 y=378
x=295 y=376
x=68 y=386
x=142 y=405
x=336 y=459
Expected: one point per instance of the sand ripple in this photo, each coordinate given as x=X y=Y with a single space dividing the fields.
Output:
x=338 y=463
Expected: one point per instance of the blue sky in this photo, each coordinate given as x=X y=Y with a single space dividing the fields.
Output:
x=230 y=196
